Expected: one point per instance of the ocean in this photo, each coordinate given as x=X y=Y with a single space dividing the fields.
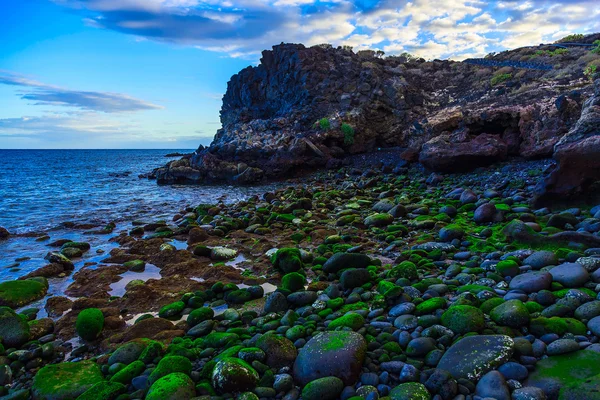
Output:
x=41 y=190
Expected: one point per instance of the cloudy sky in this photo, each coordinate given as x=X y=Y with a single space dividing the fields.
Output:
x=151 y=73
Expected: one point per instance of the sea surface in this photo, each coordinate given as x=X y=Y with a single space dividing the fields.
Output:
x=40 y=190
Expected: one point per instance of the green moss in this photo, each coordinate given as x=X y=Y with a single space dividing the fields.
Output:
x=324 y=124
x=169 y=365
x=172 y=386
x=429 y=306
x=410 y=391
x=379 y=220
x=507 y=268
x=350 y=320
x=474 y=289
x=405 y=269
x=463 y=319
x=172 y=310
x=125 y=375
x=66 y=380
x=512 y=313
x=200 y=315
x=348 y=132
x=103 y=391
x=89 y=324
x=18 y=293
x=541 y=326
x=534 y=307
x=287 y=260
x=328 y=388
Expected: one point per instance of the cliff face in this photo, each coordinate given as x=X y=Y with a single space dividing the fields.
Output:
x=310 y=107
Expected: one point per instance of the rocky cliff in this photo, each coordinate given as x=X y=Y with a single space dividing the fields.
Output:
x=303 y=108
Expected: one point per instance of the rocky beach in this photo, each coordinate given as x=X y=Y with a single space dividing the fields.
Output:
x=426 y=230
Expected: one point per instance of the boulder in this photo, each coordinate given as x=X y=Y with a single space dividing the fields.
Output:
x=66 y=380
x=455 y=153
x=473 y=356
x=338 y=354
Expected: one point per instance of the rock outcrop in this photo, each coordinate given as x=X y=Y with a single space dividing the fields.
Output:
x=577 y=155
x=303 y=108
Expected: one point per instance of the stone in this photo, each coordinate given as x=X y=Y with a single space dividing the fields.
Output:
x=65 y=381
x=327 y=388
x=570 y=275
x=541 y=259
x=337 y=353
x=493 y=385
x=172 y=386
x=233 y=375
x=555 y=372
x=512 y=313
x=562 y=346
x=340 y=261
x=485 y=213
x=531 y=282
x=280 y=351
x=447 y=153
x=15 y=294
x=473 y=356
x=462 y=319
x=14 y=331
x=352 y=278
x=410 y=391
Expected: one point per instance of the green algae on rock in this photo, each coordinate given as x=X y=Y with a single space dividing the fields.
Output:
x=233 y=375
x=463 y=319
x=16 y=294
x=14 y=330
x=66 y=380
x=89 y=324
x=172 y=386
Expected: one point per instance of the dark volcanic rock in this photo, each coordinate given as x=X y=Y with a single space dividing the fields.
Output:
x=454 y=153
x=309 y=107
x=339 y=354
x=577 y=154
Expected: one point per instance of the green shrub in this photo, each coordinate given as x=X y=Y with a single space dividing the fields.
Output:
x=590 y=70
x=596 y=50
x=348 y=134
x=499 y=78
x=324 y=124
x=571 y=38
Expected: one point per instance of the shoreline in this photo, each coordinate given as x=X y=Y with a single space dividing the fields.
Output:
x=377 y=257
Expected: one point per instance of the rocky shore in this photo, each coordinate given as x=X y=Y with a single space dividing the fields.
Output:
x=303 y=109
x=378 y=282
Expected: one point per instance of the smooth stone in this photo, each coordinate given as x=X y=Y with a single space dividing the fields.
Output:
x=531 y=282
x=493 y=385
x=473 y=356
x=570 y=275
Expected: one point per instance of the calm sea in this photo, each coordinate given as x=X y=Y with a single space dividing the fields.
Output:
x=42 y=189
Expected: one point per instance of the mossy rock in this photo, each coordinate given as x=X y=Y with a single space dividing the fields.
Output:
x=14 y=330
x=132 y=370
x=410 y=391
x=351 y=320
x=564 y=371
x=135 y=265
x=169 y=365
x=379 y=220
x=463 y=319
x=287 y=260
x=512 y=313
x=200 y=315
x=15 y=294
x=541 y=326
x=103 y=391
x=173 y=386
x=328 y=388
x=488 y=305
x=233 y=375
x=280 y=351
x=89 y=324
x=507 y=268
x=171 y=310
x=406 y=270
x=66 y=380
x=293 y=282
x=430 y=305
x=83 y=246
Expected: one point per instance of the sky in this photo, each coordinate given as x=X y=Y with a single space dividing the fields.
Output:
x=152 y=73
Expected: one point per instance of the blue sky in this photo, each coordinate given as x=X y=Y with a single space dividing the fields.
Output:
x=151 y=73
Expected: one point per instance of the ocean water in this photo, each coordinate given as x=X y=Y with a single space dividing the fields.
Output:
x=42 y=189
